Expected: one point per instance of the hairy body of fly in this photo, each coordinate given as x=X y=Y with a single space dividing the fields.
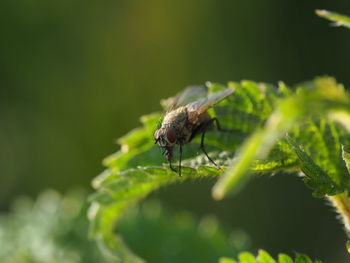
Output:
x=186 y=118
x=184 y=123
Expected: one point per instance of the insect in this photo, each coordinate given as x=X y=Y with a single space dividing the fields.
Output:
x=186 y=118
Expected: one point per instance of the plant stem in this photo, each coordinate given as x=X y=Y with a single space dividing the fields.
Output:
x=342 y=204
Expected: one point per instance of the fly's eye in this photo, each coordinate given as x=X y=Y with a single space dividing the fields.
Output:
x=171 y=135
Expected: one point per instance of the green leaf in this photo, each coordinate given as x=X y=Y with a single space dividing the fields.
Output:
x=177 y=235
x=53 y=228
x=264 y=257
x=346 y=158
x=338 y=19
x=283 y=258
x=260 y=116
x=302 y=259
x=341 y=203
x=138 y=167
x=342 y=117
x=227 y=260
x=315 y=101
x=246 y=257
x=316 y=177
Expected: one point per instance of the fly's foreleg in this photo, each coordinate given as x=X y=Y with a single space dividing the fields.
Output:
x=180 y=157
x=171 y=167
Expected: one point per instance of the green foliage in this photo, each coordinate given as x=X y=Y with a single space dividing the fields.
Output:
x=264 y=257
x=119 y=189
x=54 y=228
x=260 y=115
x=137 y=168
x=338 y=19
x=312 y=147
x=178 y=237
x=303 y=114
x=315 y=176
x=346 y=158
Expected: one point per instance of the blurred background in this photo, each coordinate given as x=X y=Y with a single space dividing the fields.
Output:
x=75 y=75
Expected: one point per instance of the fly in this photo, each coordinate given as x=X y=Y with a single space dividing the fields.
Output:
x=186 y=118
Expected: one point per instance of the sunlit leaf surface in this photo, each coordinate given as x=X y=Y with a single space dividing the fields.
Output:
x=264 y=257
x=338 y=19
x=260 y=116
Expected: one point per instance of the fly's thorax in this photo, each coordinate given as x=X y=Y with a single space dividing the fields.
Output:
x=177 y=120
x=177 y=117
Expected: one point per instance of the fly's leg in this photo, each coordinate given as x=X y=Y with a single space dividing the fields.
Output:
x=204 y=128
x=171 y=167
x=180 y=157
x=218 y=126
x=206 y=125
x=202 y=142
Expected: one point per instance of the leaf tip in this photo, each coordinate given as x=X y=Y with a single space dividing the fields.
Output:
x=348 y=246
x=320 y=12
x=217 y=193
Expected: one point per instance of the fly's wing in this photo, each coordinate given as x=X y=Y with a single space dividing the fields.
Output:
x=209 y=101
x=189 y=95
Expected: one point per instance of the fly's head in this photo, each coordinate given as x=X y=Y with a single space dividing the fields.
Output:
x=166 y=138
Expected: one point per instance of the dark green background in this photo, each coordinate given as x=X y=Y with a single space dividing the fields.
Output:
x=75 y=75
